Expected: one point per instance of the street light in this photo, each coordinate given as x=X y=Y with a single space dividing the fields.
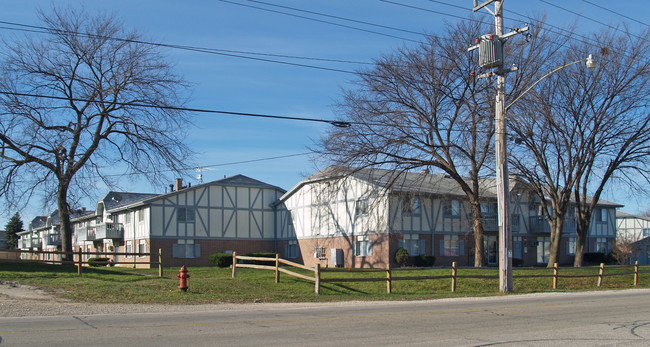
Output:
x=589 y=62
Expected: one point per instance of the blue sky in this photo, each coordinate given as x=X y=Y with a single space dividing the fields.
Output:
x=245 y=85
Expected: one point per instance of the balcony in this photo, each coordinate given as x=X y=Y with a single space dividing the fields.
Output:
x=539 y=225
x=490 y=222
x=52 y=240
x=106 y=231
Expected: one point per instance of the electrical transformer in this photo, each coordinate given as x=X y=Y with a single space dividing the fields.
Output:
x=490 y=51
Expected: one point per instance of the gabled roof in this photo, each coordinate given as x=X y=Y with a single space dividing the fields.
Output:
x=37 y=222
x=400 y=183
x=420 y=183
x=114 y=200
x=233 y=181
x=621 y=215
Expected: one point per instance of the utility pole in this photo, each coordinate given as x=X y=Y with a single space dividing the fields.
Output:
x=492 y=55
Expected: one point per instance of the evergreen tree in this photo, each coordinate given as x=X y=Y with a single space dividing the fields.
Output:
x=13 y=227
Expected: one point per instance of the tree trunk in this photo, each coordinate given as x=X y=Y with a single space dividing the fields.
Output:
x=581 y=240
x=556 y=237
x=64 y=220
x=479 y=256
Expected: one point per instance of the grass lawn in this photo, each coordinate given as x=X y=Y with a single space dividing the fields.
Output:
x=215 y=285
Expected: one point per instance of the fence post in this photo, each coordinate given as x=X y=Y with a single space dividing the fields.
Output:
x=555 y=271
x=234 y=264
x=453 y=277
x=600 y=274
x=79 y=262
x=389 y=279
x=160 y=266
x=317 y=279
x=277 y=268
x=636 y=272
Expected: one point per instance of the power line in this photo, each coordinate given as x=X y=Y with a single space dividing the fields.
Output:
x=614 y=12
x=589 y=18
x=319 y=20
x=44 y=30
x=189 y=109
x=340 y=18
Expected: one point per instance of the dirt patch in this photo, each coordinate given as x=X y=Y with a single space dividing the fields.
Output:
x=16 y=291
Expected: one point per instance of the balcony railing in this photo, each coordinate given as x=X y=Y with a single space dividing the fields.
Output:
x=106 y=231
x=539 y=225
x=490 y=222
x=52 y=240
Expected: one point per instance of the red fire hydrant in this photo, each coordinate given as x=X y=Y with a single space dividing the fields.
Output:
x=183 y=276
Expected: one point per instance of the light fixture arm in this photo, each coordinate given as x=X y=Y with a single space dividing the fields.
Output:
x=590 y=65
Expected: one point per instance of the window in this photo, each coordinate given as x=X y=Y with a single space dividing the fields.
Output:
x=127 y=218
x=646 y=232
x=412 y=206
x=362 y=247
x=185 y=214
x=601 y=215
x=186 y=249
x=142 y=248
x=128 y=248
x=488 y=208
x=571 y=246
x=452 y=208
x=602 y=245
x=140 y=215
x=361 y=207
x=452 y=246
x=412 y=244
x=292 y=249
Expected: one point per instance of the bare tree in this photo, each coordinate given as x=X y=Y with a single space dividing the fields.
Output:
x=616 y=126
x=420 y=108
x=580 y=128
x=84 y=98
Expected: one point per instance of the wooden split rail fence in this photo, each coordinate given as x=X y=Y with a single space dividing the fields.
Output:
x=390 y=277
x=80 y=258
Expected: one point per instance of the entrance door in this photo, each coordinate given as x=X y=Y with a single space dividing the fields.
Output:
x=543 y=249
x=491 y=249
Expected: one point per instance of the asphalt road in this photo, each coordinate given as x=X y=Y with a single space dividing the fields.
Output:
x=566 y=319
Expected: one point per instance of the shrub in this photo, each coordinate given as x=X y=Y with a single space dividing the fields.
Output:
x=96 y=262
x=424 y=260
x=221 y=259
x=594 y=258
x=401 y=256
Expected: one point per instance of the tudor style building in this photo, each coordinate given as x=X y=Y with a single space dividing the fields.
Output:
x=360 y=217
x=336 y=217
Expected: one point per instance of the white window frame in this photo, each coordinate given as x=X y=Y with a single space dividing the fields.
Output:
x=451 y=244
x=361 y=207
x=411 y=243
x=142 y=248
x=412 y=206
x=186 y=249
x=363 y=246
x=571 y=246
x=600 y=241
x=128 y=248
x=451 y=208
